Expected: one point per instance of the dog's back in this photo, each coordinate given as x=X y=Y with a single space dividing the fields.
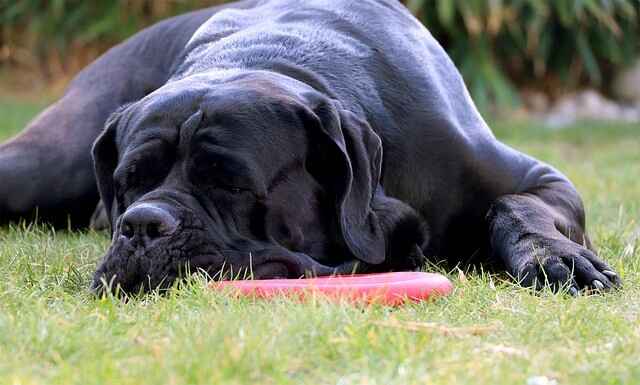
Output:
x=378 y=61
x=350 y=47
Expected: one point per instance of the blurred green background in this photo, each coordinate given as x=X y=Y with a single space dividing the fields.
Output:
x=499 y=45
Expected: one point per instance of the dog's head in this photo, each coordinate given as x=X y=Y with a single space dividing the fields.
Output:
x=260 y=174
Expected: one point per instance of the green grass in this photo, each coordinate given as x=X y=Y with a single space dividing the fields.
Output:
x=15 y=114
x=52 y=331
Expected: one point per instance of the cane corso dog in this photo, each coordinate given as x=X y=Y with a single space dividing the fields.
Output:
x=292 y=137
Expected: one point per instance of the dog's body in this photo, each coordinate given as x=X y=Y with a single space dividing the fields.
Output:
x=338 y=136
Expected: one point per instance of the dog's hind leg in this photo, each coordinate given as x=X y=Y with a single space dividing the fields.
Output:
x=48 y=168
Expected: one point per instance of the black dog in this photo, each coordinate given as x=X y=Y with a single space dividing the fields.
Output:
x=289 y=137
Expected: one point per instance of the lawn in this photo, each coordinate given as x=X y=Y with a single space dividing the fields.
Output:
x=52 y=331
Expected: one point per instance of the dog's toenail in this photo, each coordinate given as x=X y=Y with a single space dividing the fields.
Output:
x=597 y=284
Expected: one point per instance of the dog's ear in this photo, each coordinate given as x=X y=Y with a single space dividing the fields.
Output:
x=105 y=161
x=349 y=160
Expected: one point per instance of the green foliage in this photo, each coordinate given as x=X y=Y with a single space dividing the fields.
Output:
x=533 y=42
x=497 y=44
x=64 y=27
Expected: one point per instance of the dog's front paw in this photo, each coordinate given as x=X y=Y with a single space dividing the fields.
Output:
x=561 y=264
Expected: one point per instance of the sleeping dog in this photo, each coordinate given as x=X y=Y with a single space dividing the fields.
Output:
x=289 y=138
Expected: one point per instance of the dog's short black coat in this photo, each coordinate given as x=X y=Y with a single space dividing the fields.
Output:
x=288 y=137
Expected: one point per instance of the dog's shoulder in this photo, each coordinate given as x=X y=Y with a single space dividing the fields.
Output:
x=318 y=34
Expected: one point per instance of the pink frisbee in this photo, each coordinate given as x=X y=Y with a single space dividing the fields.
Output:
x=391 y=289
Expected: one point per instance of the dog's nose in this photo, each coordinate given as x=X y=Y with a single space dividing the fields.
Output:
x=147 y=222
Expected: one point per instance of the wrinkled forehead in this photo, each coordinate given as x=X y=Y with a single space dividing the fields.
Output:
x=248 y=118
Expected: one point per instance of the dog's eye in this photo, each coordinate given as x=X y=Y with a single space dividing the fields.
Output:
x=235 y=190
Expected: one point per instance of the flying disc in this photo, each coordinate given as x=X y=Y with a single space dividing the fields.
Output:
x=391 y=289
